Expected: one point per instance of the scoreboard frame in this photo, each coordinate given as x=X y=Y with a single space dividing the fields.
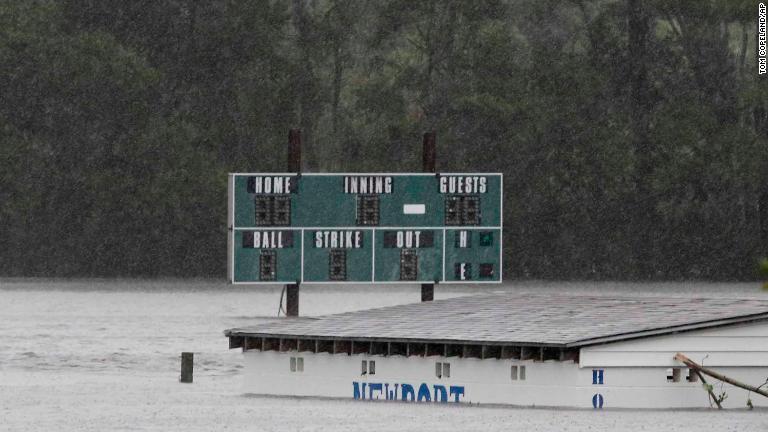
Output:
x=233 y=228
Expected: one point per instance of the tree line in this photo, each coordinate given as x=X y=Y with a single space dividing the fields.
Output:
x=633 y=134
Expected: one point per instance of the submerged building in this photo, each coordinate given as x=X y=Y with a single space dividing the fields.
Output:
x=517 y=349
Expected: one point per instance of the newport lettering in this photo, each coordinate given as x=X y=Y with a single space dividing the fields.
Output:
x=407 y=392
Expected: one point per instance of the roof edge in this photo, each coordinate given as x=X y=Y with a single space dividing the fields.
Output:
x=669 y=330
x=235 y=333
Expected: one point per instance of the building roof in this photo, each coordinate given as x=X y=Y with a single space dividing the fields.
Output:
x=520 y=319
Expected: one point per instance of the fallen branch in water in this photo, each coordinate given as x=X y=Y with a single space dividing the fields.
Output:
x=698 y=368
x=708 y=388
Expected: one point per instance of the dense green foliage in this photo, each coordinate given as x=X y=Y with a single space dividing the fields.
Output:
x=633 y=134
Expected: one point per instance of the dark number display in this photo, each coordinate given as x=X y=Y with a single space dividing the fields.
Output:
x=267 y=265
x=409 y=264
x=338 y=264
x=367 y=210
x=462 y=210
x=272 y=210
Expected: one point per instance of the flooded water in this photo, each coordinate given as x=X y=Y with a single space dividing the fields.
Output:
x=104 y=355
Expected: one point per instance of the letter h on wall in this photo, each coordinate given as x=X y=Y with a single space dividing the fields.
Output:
x=597 y=376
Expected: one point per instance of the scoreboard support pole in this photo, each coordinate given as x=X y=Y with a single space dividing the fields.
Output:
x=292 y=300
x=294 y=165
x=428 y=156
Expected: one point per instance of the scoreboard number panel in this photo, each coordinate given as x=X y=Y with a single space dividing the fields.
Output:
x=409 y=255
x=338 y=255
x=365 y=228
x=265 y=256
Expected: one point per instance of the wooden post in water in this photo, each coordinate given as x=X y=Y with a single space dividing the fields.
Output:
x=428 y=156
x=187 y=365
x=294 y=166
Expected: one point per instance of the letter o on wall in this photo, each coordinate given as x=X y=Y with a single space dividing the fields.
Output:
x=597 y=401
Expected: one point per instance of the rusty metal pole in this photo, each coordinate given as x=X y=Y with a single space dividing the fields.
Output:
x=294 y=166
x=428 y=156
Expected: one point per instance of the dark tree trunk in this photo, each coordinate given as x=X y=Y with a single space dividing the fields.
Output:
x=338 y=69
x=304 y=80
x=762 y=212
x=643 y=219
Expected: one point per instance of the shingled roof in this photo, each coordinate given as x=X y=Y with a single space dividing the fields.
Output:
x=519 y=319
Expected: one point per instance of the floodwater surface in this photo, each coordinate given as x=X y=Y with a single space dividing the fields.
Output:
x=96 y=355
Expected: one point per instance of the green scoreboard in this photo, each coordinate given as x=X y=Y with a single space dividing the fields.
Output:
x=365 y=228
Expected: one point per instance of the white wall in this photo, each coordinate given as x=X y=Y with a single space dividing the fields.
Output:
x=488 y=381
x=484 y=381
x=636 y=366
x=742 y=345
